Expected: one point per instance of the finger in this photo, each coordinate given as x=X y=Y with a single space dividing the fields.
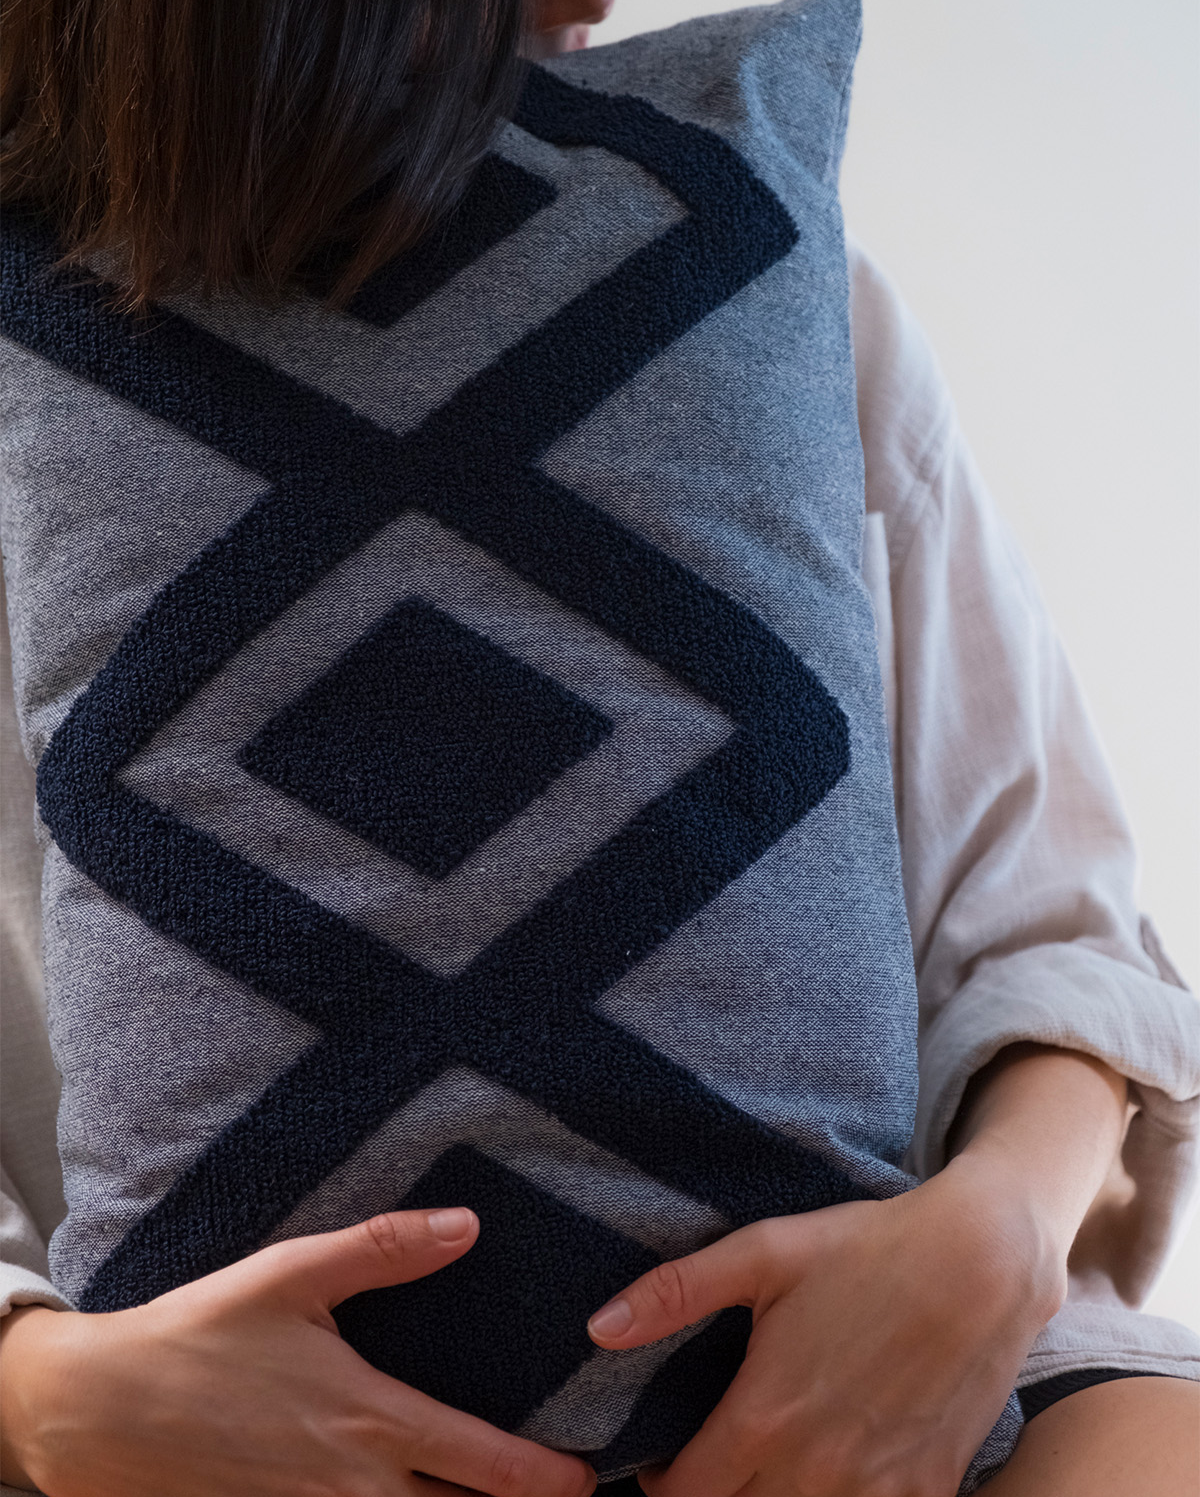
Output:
x=426 y=1486
x=447 y=1445
x=719 y=1461
x=416 y=1485
x=394 y=1248
x=678 y=1293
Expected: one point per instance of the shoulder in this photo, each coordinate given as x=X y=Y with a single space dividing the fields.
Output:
x=940 y=543
x=906 y=417
x=905 y=413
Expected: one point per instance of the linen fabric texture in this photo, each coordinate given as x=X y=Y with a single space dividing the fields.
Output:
x=461 y=741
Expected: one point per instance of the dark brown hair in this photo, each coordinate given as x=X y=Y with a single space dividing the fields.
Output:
x=219 y=144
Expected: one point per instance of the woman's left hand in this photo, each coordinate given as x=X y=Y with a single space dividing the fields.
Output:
x=887 y=1338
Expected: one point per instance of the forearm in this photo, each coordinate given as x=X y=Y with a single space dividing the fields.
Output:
x=20 y=1333
x=1044 y=1125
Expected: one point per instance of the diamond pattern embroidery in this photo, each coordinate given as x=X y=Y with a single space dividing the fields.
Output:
x=424 y=738
x=523 y=1011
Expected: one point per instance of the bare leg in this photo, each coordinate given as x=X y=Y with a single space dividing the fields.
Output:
x=1136 y=1437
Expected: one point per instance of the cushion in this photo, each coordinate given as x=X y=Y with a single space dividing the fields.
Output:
x=460 y=738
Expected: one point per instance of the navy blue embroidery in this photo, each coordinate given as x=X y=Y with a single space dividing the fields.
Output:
x=682 y=1393
x=501 y=197
x=424 y=738
x=523 y=1012
x=520 y=1322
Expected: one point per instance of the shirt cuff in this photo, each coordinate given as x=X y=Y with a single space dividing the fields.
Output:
x=21 y=1286
x=1073 y=997
x=1109 y=1334
x=24 y=1273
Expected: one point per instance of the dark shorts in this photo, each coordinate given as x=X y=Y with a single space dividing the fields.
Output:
x=1034 y=1399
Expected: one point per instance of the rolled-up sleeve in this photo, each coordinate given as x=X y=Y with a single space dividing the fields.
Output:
x=1018 y=862
x=31 y=1202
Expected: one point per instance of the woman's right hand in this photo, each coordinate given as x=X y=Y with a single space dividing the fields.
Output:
x=238 y=1385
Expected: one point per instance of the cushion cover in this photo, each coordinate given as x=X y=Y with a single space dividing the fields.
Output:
x=460 y=738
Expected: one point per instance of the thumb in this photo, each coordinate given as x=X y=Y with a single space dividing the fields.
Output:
x=734 y=1271
x=394 y=1248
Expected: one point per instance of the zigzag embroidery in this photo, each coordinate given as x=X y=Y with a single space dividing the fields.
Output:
x=524 y=1011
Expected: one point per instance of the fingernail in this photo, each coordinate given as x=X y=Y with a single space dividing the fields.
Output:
x=613 y=1319
x=450 y=1225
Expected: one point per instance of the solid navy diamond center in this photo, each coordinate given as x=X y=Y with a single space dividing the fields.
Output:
x=424 y=738
x=528 y=1318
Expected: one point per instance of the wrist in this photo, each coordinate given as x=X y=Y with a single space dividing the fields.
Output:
x=1042 y=1126
x=1028 y=1235
x=25 y=1336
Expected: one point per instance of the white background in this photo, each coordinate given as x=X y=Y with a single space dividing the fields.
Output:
x=1027 y=171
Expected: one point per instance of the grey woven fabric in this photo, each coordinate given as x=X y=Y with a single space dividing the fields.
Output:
x=460 y=735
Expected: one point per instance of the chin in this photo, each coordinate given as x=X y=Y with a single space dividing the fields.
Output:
x=559 y=40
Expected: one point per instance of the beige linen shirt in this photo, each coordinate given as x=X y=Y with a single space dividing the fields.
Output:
x=1018 y=867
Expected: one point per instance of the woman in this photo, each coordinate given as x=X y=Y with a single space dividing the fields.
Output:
x=1016 y=884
